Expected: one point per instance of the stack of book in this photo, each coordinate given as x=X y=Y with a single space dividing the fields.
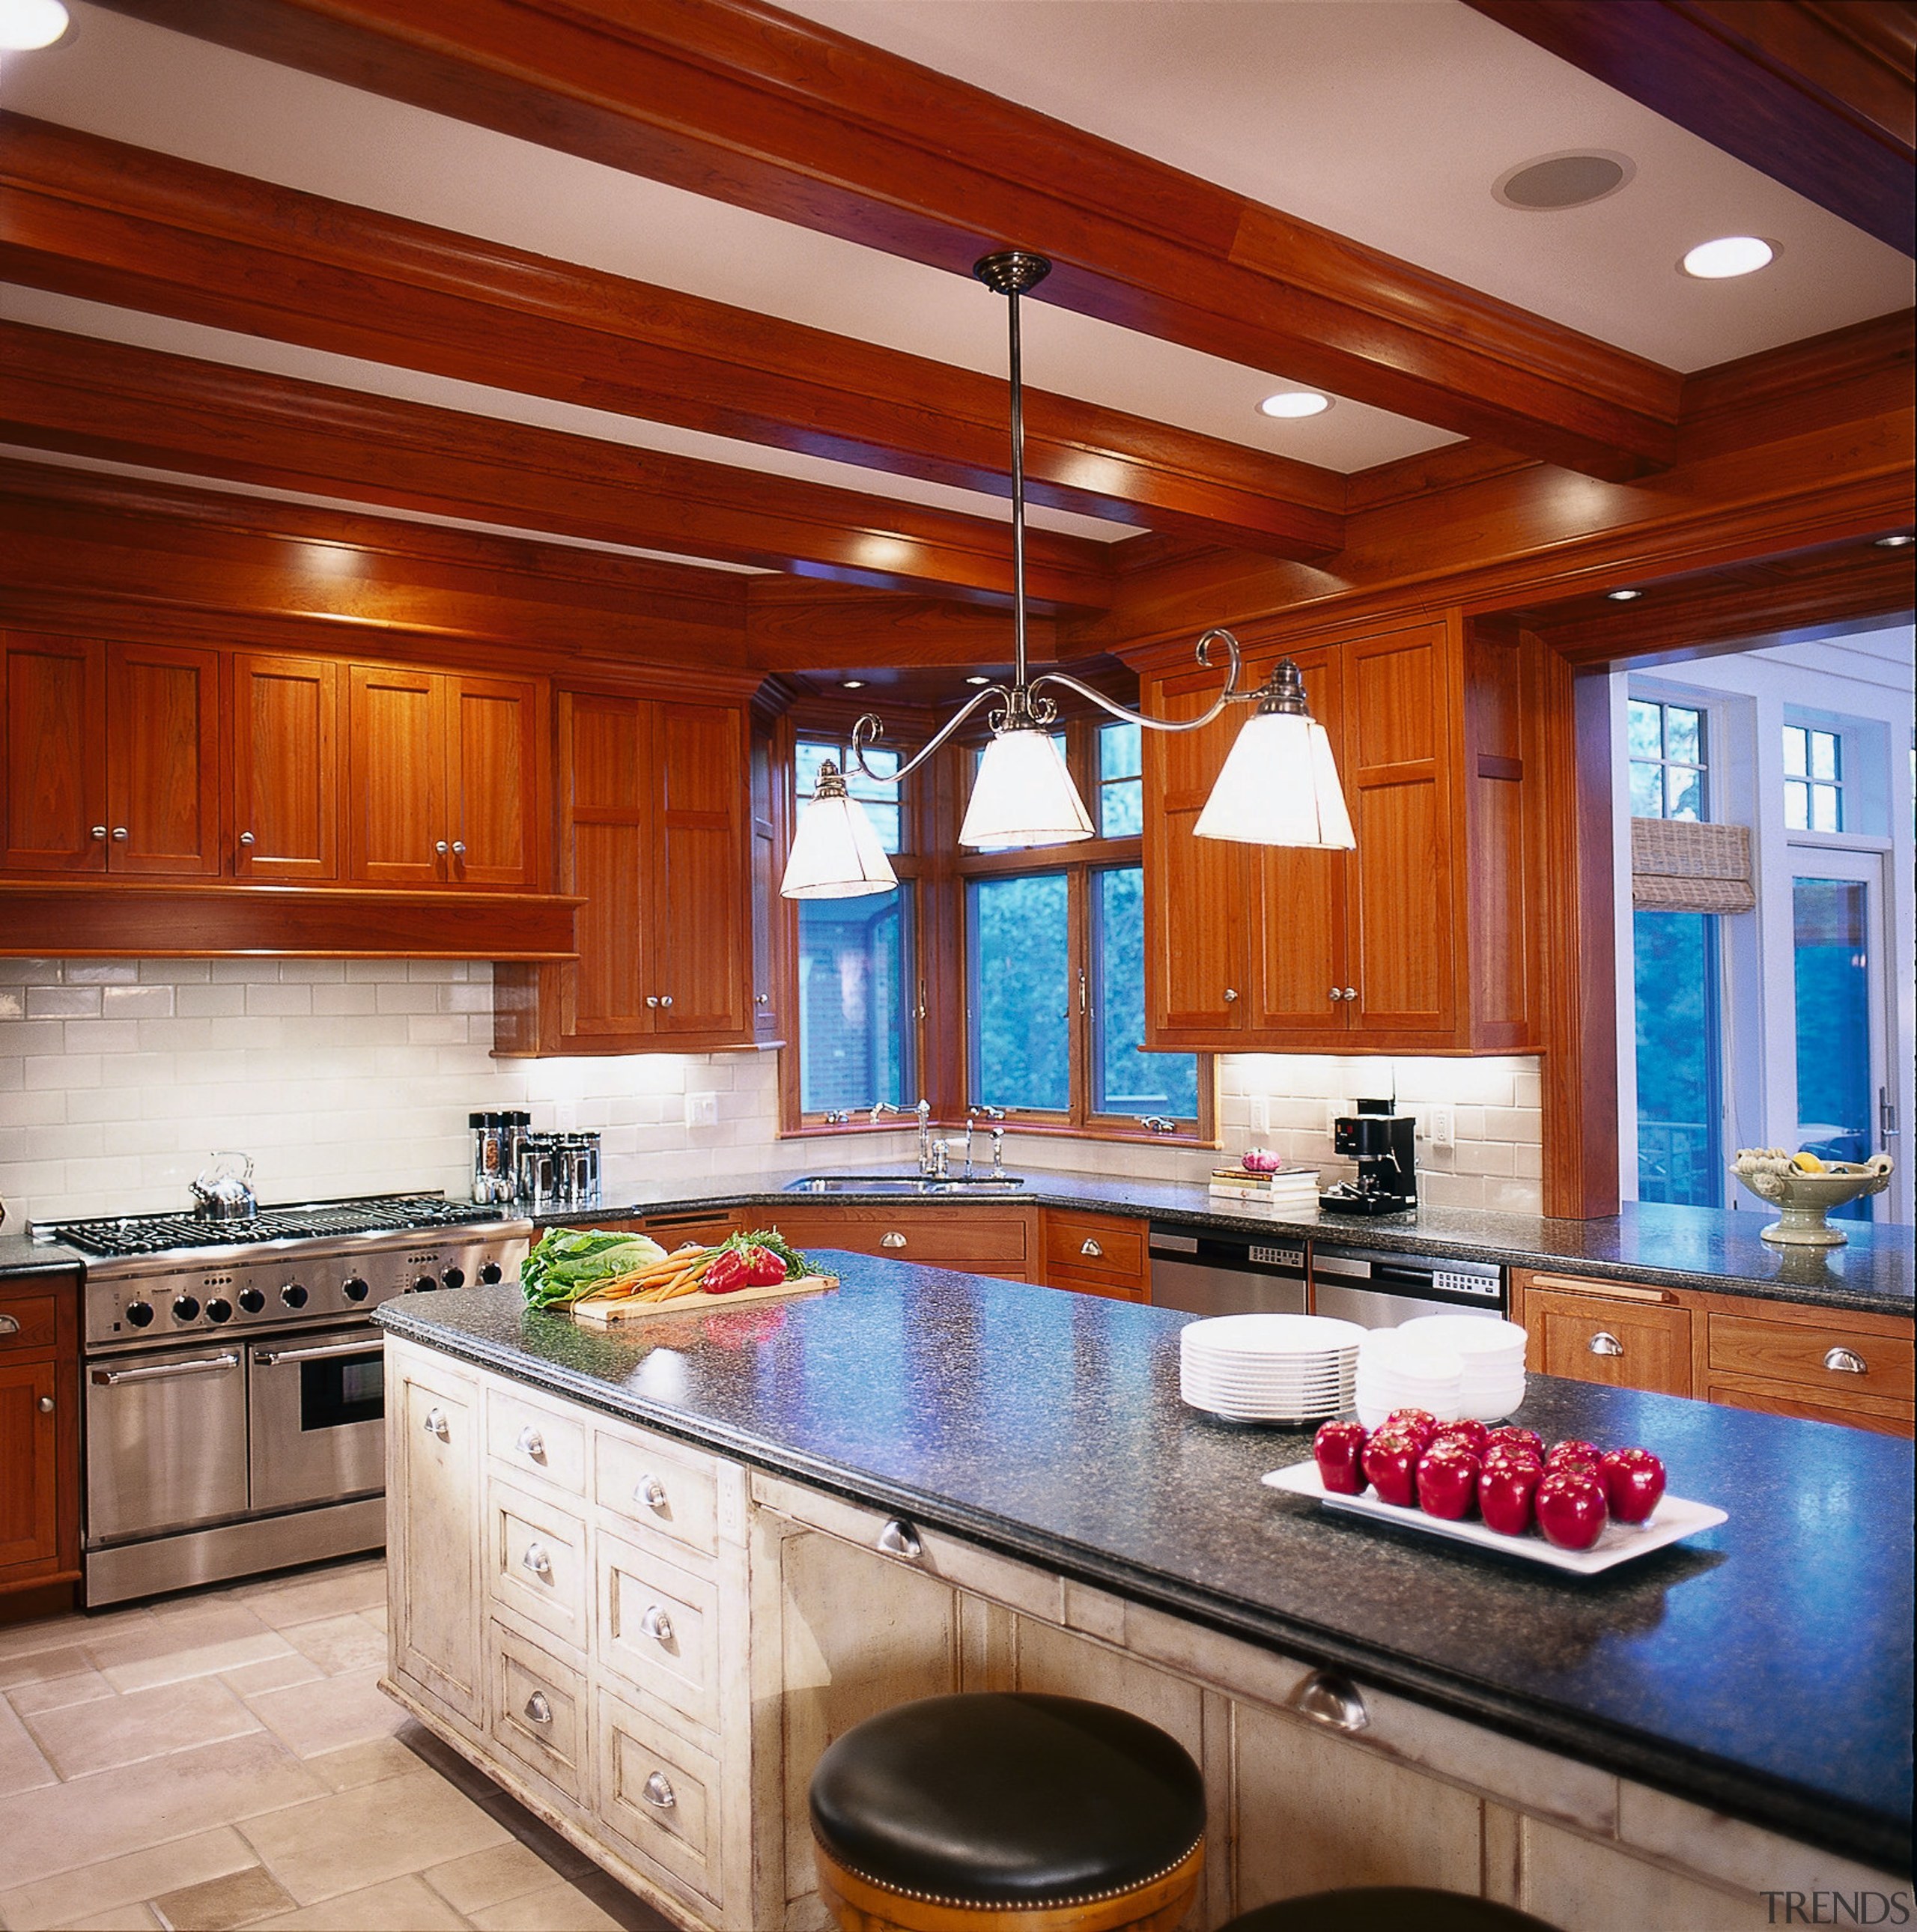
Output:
x=1284 y=1192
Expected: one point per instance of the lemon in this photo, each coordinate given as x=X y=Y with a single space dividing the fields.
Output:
x=1807 y=1163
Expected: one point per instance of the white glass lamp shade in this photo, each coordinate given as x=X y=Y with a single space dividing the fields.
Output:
x=836 y=853
x=1023 y=796
x=1279 y=786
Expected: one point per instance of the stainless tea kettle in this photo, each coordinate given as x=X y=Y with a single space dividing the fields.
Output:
x=221 y=1194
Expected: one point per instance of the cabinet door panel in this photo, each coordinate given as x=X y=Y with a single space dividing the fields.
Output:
x=56 y=753
x=163 y=759
x=29 y=1460
x=697 y=919
x=396 y=760
x=434 y=1438
x=489 y=774
x=603 y=857
x=285 y=768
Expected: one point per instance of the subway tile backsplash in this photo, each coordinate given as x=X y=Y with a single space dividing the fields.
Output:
x=119 y=1077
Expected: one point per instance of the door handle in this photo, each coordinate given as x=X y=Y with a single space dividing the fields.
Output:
x=100 y=831
x=120 y=832
x=650 y=1491
x=209 y=1365
x=1230 y=995
x=268 y=1358
x=656 y=1625
x=246 y=838
x=539 y=1709
x=46 y=1405
x=898 y=1538
x=435 y=1424
x=536 y=1560
x=1846 y=1362
x=1092 y=1249
x=1350 y=992
x=1328 y=1699
x=657 y=1791
x=1604 y=1343
x=459 y=848
x=8 y=1326
x=440 y=846
x=665 y=999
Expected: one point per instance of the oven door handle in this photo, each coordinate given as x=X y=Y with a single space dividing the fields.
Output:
x=208 y=1365
x=268 y=1358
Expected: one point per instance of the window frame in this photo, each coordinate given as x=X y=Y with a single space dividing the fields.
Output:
x=1665 y=764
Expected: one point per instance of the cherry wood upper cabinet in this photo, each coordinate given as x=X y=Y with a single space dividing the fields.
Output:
x=696 y=923
x=768 y=816
x=490 y=764
x=56 y=753
x=286 y=769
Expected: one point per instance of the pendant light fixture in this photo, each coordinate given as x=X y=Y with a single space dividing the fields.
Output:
x=1279 y=786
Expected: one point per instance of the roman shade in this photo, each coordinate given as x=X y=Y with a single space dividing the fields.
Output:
x=1677 y=865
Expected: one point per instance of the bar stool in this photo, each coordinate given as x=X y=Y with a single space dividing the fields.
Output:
x=1395 y=1908
x=989 y=1809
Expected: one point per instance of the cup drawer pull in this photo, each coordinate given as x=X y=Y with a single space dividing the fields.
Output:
x=1605 y=1343
x=1092 y=1250
x=538 y=1708
x=898 y=1538
x=532 y=1444
x=1846 y=1362
x=894 y=1240
x=657 y=1792
x=435 y=1424
x=1328 y=1699
x=650 y=1491
x=656 y=1625
x=536 y=1560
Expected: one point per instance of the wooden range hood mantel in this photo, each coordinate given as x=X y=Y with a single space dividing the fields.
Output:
x=125 y=919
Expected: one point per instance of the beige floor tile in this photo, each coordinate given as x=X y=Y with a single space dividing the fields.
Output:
x=80 y=1738
x=329 y=1715
x=58 y=1633
x=21 y=1765
x=560 y=1908
x=272 y=1673
x=115 y=1812
x=490 y=1877
x=121 y=1918
x=360 y=1837
x=124 y=1881
x=376 y=1617
x=52 y=1693
x=340 y=1643
x=364 y=1763
x=218 y=1904
x=400 y=1905
x=338 y=1592
x=38 y=1666
x=199 y=1641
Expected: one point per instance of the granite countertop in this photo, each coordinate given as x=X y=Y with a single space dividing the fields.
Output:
x=1763 y=1667
x=21 y=1259
x=1683 y=1247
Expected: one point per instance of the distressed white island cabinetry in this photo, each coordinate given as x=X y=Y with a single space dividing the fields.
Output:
x=650 y=1644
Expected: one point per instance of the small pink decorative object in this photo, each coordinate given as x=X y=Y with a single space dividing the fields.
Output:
x=1262 y=1160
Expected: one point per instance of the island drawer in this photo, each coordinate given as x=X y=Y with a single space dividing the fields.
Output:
x=29 y=1320
x=1109 y=1247
x=536 y=1562
x=669 y=1489
x=1592 y=1338
x=538 y=1710
x=533 y=1440
x=658 y=1795
x=1832 y=1359
x=992 y=1240
x=658 y=1629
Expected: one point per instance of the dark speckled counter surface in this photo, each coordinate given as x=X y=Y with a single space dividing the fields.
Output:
x=21 y=1259
x=1764 y=1667
x=1703 y=1248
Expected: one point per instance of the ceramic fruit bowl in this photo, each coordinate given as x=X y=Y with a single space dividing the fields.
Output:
x=1805 y=1189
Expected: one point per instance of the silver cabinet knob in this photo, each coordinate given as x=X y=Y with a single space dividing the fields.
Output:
x=1231 y=994
x=1605 y=1343
x=435 y=1424
x=1328 y=1699
x=762 y=999
x=1846 y=1362
x=893 y=1239
x=533 y=1444
x=656 y=1625
x=46 y=1405
x=440 y=846
x=657 y=1791
x=665 y=999
x=650 y=1491
x=536 y=1560
x=652 y=999
x=246 y=838
x=1350 y=992
x=459 y=848
x=1092 y=1249
x=539 y=1709
x=1337 y=993
x=119 y=832
x=100 y=831
x=898 y=1538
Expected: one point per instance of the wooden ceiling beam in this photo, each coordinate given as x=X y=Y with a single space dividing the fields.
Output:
x=86 y=397
x=94 y=217
x=1818 y=95
x=737 y=100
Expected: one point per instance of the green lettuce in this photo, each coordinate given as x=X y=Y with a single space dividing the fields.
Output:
x=569 y=1262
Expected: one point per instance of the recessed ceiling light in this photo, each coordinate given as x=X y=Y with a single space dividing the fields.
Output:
x=27 y=24
x=1729 y=255
x=1896 y=542
x=855 y=684
x=1624 y=596
x=1288 y=404
x=1555 y=182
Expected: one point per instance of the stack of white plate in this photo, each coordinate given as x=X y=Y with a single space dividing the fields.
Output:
x=1456 y=1365
x=1269 y=1368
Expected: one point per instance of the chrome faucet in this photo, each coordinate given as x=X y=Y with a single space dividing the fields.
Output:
x=973 y=1116
x=931 y=1162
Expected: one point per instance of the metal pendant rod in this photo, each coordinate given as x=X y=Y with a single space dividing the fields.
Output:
x=1017 y=493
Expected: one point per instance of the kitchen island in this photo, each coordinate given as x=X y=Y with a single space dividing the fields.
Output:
x=927 y=1481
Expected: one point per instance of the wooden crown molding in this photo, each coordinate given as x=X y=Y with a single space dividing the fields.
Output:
x=94 y=217
x=83 y=396
x=738 y=100
x=1817 y=94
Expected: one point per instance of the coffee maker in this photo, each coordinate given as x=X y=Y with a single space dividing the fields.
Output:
x=1380 y=1139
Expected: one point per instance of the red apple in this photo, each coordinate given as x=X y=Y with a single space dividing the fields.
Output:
x=1339 y=1449
x=1571 y=1507
x=1506 y=1490
x=1473 y=1435
x=1512 y=1456
x=1390 y=1462
x=1446 y=1480
x=1633 y=1480
x=1575 y=1454
x=1419 y=1423
x=1511 y=1438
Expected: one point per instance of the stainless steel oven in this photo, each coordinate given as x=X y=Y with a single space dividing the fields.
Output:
x=318 y=1402
x=165 y=1441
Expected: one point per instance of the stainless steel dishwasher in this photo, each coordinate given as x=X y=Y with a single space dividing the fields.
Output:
x=1378 y=1288
x=1205 y=1271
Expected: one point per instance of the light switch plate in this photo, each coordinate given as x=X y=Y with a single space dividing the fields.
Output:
x=702 y=1110
x=1439 y=1125
x=1260 y=1114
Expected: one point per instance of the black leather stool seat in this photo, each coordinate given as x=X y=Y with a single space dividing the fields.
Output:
x=990 y=1799
x=1396 y=1908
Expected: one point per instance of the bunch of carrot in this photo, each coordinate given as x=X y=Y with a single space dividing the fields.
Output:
x=677 y=1273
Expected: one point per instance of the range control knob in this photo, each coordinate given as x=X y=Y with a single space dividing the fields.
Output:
x=293 y=1295
x=185 y=1308
x=424 y=1284
x=139 y=1314
x=252 y=1300
x=491 y=1272
x=219 y=1309
x=354 y=1289
x=453 y=1277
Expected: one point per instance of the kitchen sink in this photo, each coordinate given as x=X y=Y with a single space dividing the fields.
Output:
x=903 y=1183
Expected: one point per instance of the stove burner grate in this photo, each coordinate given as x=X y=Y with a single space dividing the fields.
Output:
x=159 y=1234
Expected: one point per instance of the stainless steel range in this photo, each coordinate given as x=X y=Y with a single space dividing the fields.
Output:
x=234 y=1411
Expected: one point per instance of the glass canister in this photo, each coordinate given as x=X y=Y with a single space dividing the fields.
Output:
x=492 y=1178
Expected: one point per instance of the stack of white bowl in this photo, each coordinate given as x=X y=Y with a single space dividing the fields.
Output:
x=1269 y=1368
x=1456 y=1365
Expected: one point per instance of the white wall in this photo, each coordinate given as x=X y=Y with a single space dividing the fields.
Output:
x=118 y=1078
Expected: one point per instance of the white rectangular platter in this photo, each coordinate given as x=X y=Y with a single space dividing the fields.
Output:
x=1674 y=1518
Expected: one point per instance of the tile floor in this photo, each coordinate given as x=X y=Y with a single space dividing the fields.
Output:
x=226 y=1759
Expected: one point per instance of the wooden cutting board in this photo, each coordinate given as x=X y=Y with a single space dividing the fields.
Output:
x=609 y=1314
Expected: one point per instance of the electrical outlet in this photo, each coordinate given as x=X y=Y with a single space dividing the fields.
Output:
x=1440 y=1126
x=565 y=1117
x=702 y=1110
x=1260 y=1114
